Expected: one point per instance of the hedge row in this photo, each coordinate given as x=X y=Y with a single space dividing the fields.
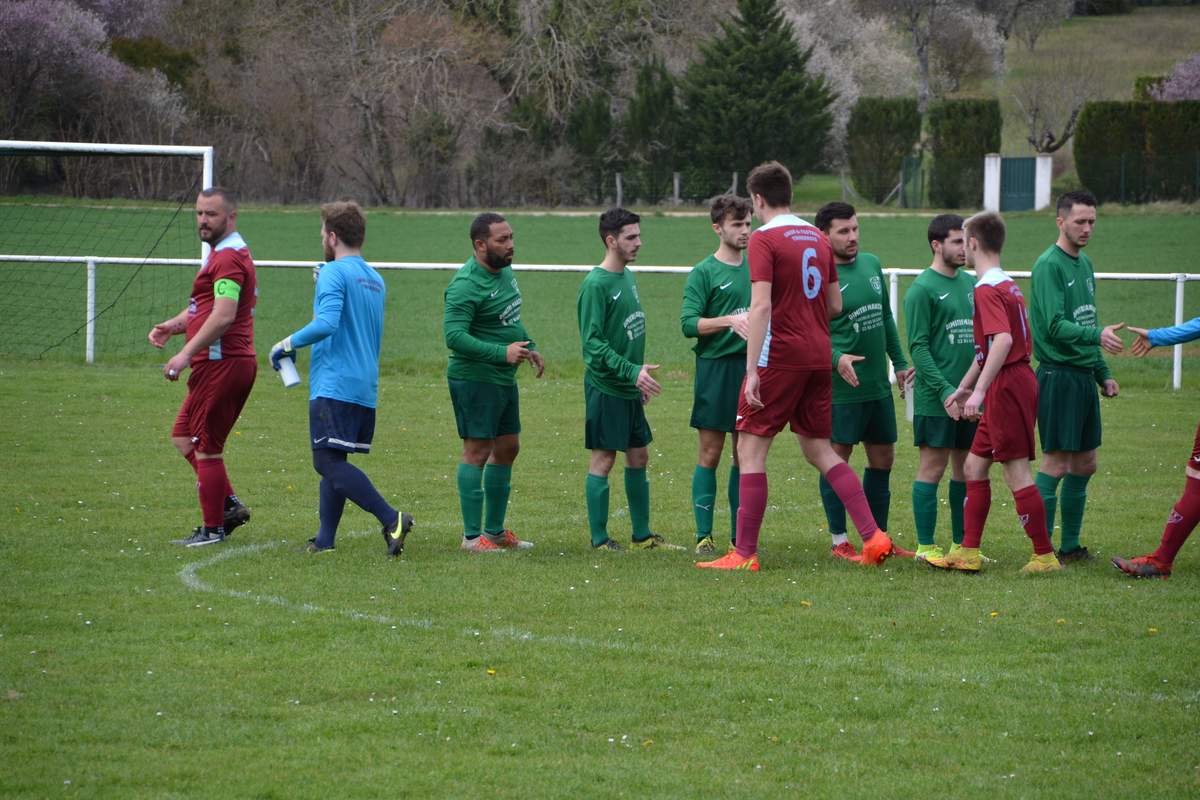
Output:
x=1139 y=151
x=880 y=133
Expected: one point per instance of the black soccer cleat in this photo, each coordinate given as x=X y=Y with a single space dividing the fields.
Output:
x=1079 y=555
x=313 y=547
x=396 y=535
x=235 y=516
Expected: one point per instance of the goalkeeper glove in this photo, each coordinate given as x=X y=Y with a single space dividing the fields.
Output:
x=282 y=349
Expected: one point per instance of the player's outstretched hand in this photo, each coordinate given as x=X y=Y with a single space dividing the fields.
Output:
x=160 y=334
x=1109 y=339
x=1110 y=388
x=845 y=367
x=751 y=390
x=517 y=352
x=740 y=324
x=648 y=386
x=178 y=363
x=971 y=408
x=539 y=363
x=282 y=349
x=1141 y=345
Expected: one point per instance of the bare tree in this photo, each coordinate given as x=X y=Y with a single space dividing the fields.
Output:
x=1051 y=100
x=1027 y=19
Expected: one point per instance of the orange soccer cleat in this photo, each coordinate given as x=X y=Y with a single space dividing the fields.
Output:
x=732 y=560
x=877 y=548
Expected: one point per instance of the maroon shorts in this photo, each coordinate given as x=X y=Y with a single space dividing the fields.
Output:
x=1194 y=461
x=803 y=398
x=217 y=390
x=1009 y=415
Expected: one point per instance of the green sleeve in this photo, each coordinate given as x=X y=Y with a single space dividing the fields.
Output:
x=916 y=318
x=1100 y=370
x=694 y=294
x=891 y=334
x=597 y=351
x=456 y=327
x=1047 y=313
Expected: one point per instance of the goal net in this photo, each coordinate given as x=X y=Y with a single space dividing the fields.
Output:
x=97 y=243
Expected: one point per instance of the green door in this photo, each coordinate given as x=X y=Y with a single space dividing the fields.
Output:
x=1017 y=180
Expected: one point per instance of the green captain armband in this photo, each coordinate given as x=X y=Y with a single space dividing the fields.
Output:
x=227 y=288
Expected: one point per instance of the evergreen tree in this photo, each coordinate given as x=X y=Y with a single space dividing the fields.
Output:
x=751 y=99
x=650 y=132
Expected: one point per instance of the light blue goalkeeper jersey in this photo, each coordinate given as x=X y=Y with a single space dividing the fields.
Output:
x=345 y=333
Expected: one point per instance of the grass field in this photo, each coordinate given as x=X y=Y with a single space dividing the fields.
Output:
x=131 y=668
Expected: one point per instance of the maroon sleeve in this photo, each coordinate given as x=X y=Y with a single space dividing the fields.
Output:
x=762 y=258
x=225 y=264
x=993 y=316
x=831 y=274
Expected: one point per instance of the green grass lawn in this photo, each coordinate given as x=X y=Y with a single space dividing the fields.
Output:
x=133 y=668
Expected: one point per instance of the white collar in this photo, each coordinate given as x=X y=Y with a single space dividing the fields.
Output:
x=993 y=277
x=783 y=220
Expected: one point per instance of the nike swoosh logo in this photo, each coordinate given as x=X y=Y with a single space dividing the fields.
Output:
x=706 y=508
x=842 y=288
x=318 y=441
x=618 y=294
x=725 y=286
x=1195 y=458
x=1072 y=283
x=943 y=296
x=493 y=294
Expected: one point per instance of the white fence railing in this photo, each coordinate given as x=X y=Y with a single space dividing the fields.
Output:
x=1179 y=278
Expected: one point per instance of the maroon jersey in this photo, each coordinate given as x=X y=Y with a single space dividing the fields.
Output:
x=1000 y=308
x=229 y=260
x=798 y=261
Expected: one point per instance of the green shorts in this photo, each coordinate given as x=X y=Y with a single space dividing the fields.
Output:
x=1068 y=415
x=871 y=421
x=485 y=410
x=716 y=390
x=943 y=432
x=613 y=423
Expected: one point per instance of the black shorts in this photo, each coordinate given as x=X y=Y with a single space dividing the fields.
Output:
x=338 y=425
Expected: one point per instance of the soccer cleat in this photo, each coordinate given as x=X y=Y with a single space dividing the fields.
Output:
x=202 y=536
x=609 y=546
x=654 y=542
x=1079 y=555
x=236 y=516
x=508 y=540
x=956 y=550
x=928 y=551
x=845 y=550
x=902 y=552
x=706 y=546
x=732 y=560
x=960 y=559
x=877 y=548
x=312 y=547
x=195 y=531
x=1039 y=564
x=480 y=544
x=395 y=535
x=1143 y=567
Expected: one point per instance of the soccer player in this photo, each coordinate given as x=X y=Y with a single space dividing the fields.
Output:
x=1067 y=339
x=1186 y=513
x=716 y=299
x=219 y=348
x=616 y=381
x=793 y=293
x=487 y=340
x=1001 y=390
x=345 y=334
x=938 y=310
x=864 y=339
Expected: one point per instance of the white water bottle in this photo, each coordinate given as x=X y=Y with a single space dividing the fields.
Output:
x=287 y=371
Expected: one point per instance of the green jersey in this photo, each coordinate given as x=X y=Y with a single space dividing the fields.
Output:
x=612 y=330
x=482 y=318
x=938 y=314
x=866 y=328
x=715 y=289
x=1062 y=312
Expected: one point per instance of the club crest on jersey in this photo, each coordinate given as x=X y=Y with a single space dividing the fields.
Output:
x=877 y=284
x=971 y=298
x=514 y=285
x=1175 y=518
x=1091 y=287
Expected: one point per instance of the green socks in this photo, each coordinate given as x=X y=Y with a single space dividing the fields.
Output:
x=958 y=498
x=835 y=512
x=470 y=499
x=1074 y=497
x=924 y=502
x=596 y=491
x=879 y=494
x=497 y=484
x=637 y=492
x=704 y=494
x=735 y=500
x=1048 y=487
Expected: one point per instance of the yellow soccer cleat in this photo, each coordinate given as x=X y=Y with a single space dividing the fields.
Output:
x=961 y=559
x=928 y=551
x=706 y=546
x=1046 y=562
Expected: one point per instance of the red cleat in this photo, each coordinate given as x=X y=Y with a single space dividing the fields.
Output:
x=1143 y=567
x=732 y=560
x=845 y=550
x=877 y=548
